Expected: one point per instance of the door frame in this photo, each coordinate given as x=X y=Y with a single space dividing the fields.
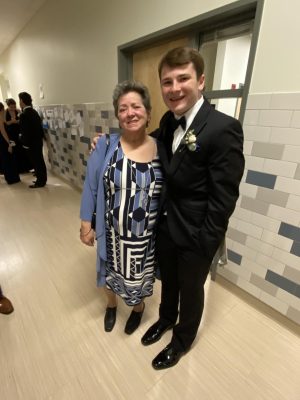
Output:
x=225 y=16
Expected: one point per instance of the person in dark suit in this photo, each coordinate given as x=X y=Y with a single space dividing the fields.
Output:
x=32 y=138
x=203 y=164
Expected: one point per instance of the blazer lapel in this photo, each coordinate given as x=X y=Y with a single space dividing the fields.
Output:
x=197 y=125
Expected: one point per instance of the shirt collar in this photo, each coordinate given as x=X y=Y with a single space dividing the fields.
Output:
x=191 y=113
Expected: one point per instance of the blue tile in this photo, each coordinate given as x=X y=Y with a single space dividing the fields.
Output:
x=289 y=231
x=296 y=249
x=85 y=139
x=297 y=293
x=261 y=179
x=281 y=282
x=234 y=257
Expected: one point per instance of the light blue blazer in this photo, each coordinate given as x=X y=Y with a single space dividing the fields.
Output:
x=93 y=197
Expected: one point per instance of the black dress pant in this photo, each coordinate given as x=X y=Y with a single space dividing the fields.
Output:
x=183 y=275
x=35 y=154
x=8 y=163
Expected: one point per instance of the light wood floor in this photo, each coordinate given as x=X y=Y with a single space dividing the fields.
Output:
x=54 y=347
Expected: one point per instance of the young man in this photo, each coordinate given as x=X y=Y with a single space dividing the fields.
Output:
x=203 y=162
x=32 y=138
x=6 y=306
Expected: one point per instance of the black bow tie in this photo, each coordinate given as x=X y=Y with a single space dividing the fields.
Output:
x=176 y=122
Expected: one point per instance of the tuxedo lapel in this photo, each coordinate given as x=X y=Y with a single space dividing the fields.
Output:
x=197 y=125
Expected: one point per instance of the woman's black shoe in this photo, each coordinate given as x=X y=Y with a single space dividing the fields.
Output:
x=133 y=321
x=110 y=318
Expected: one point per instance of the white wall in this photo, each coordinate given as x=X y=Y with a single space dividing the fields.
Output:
x=70 y=46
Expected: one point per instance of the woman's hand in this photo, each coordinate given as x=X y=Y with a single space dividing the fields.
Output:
x=87 y=234
x=10 y=148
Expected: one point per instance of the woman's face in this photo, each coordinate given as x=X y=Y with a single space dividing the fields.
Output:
x=132 y=114
x=12 y=107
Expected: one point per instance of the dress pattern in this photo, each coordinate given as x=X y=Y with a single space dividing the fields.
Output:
x=132 y=191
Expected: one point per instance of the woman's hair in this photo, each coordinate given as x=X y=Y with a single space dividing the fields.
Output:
x=1 y=106
x=181 y=56
x=131 y=86
x=10 y=102
x=26 y=98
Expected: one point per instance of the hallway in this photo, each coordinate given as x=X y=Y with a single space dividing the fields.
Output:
x=53 y=347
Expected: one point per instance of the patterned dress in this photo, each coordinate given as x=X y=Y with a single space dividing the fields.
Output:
x=132 y=191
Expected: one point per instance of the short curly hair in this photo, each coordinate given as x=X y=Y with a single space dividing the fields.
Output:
x=131 y=86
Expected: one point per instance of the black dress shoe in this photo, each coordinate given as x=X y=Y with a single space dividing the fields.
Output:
x=168 y=357
x=36 y=185
x=155 y=332
x=133 y=321
x=110 y=318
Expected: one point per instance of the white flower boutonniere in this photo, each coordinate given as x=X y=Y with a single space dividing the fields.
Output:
x=189 y=140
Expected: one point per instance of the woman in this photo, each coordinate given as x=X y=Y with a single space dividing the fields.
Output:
x=12 y=128
x=123 y=182
x=7 y=154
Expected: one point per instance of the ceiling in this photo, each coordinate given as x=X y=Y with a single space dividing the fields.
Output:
x=14 y=15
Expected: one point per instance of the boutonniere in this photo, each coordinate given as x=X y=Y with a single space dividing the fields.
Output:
x=189 y=140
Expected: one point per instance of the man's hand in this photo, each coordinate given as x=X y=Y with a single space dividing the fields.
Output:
x=95 y=140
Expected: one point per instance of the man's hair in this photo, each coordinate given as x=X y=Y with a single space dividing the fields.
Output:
x=1 y=106
x=181 y=56
x=10 y=102
x=131 y=86
x=26 y=98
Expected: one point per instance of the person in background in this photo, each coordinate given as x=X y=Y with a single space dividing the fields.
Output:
x=13 y=130
x=32 y=138
x=7 y=154
x=123 y=183
x=6 y=306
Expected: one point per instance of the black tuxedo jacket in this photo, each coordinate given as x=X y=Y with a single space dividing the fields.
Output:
x=31 y=128
x=202 y=186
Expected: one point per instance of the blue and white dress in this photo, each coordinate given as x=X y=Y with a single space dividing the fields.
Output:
x=132 y=192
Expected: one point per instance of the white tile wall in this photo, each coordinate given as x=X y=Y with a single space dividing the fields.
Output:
x=248 y=287
x=275 y=117
x=254 y=163
x=285 y=136
x=274 y=302
x=291 y=153
x=284 y=214
x=259 y=246
x=295 y=123
x=277 y=167
x=271 y=118
x=293 y=202
x=257 y=133
x=265 y=222
x=251 y=118
x=259 y=101
x=285 y=101
x=248 y=147
x=288 y=185
x=276 y=240
x=286 y=258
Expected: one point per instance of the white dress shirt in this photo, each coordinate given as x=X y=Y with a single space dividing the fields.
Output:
x=189 y=117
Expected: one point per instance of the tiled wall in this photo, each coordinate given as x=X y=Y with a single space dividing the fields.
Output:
x=68 y=137
x=263 y=238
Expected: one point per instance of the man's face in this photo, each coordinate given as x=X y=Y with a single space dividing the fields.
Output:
x=22 y=105
x=180 y=87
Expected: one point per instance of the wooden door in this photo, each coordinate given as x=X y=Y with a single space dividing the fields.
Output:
x=145 y=64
